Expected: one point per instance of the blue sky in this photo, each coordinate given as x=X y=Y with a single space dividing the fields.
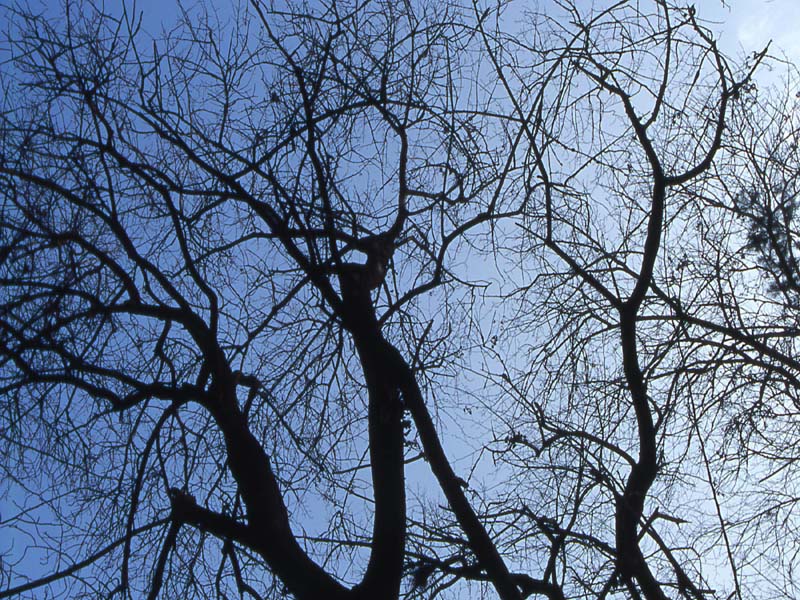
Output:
x=744 y=26
x=747 y=25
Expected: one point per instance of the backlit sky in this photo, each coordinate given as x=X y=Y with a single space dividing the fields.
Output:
x=747 y=25
x=743 y=24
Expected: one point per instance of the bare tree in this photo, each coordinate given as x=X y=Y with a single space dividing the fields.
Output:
x=249 y=265
x=213 y=249
x=739 y=338
x=628 y=110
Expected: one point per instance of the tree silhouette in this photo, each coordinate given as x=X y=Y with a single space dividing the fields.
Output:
x=629 y=114
x=250 y=267
x=211 y=255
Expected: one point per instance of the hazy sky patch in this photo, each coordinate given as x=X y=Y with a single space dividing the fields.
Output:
x=748 y=25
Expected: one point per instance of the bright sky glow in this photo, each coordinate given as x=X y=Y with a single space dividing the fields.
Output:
x=748 y=25
x=743 y=26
